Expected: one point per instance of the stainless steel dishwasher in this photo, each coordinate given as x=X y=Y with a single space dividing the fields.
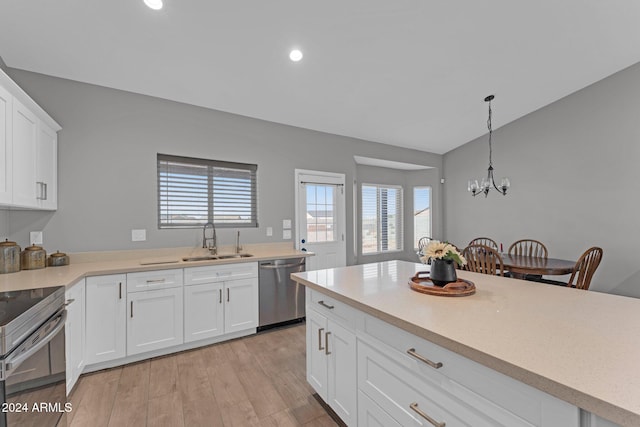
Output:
x=281 y=299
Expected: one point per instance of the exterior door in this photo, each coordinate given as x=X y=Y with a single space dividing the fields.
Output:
x=320 y=218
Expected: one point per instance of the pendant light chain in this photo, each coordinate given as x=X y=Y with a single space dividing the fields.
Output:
x=490 y=133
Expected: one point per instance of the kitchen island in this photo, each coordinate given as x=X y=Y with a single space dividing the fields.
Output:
x=580 y=347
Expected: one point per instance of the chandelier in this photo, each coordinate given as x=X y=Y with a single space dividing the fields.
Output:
x=486 y=183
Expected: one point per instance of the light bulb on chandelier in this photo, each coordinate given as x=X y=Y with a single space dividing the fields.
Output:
x=486 y=183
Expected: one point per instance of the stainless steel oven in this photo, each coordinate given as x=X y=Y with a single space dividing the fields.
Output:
x=32 y=364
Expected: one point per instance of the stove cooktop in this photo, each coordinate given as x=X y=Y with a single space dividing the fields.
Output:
x=21 y=312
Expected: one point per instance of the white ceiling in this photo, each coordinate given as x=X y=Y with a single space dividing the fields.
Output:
x=411 y=73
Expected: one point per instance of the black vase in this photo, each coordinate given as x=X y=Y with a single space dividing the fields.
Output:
x=443 y=271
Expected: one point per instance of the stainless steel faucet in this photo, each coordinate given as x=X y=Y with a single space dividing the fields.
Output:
x=210 y=242
x=238 y=247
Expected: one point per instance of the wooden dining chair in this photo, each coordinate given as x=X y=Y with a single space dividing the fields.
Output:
x=528 y=247
x=483 y=259
x=583 y=271
x=484 y=241
x=423 y=243
x=585 y=268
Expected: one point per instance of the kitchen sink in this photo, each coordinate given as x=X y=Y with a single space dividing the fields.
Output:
x=215 y=257
x=234 y=256
x=201 y=258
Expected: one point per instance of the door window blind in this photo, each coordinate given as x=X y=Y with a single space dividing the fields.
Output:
x=192 y=192
x=382 y=227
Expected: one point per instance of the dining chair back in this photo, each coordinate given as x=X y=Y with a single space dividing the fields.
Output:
x=484 y=241
x=585 y=268
x=483 y=259
x=423 y=243
x=528 y=247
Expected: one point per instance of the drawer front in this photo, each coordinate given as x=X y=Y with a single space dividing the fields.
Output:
x=332 y=308
x=220 y=273
x=371 y=415
x=412 y=401
x=469 y=380
x=151 y=280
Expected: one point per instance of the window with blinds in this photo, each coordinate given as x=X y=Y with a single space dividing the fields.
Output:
x=381 y=219
x=192 y=192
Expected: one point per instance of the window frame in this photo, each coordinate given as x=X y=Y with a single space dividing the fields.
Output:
x=214 y=169
x=399 y=214
x=415 y=237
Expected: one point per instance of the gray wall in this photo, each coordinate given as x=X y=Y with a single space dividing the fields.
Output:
x=574 y=170
x=107 y=165
x=407 y=180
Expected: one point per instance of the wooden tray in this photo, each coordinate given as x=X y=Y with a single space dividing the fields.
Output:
x=423 y=284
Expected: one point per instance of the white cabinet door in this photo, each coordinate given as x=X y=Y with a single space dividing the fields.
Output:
x=47 y=168
x=203 y=311
x=6 y=156
x=74 y=333
x=331 y=364
x=154 y=320
x=105 y=318
x=316 y=352
x=341 y=372
x=25 y=136
x=241 y=305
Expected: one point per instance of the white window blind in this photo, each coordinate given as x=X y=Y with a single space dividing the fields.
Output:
x=192 y=192
x=382 y=229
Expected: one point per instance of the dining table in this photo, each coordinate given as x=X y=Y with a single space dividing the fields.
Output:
x=521 y=265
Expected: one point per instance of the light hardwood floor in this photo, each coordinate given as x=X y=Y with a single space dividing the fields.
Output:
x=252 y=381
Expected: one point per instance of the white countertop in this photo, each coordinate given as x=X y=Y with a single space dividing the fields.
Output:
x=114 y=262
x=580 y=346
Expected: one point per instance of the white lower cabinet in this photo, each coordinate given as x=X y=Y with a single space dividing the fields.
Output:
x=220 y=300
x=241 y=305
x=105 y=326
x=331 y=360
x=372 y=373
x=204 y=311
x=154 y=312
x=74 y=333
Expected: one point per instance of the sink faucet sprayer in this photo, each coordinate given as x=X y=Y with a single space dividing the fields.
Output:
x=206 y=241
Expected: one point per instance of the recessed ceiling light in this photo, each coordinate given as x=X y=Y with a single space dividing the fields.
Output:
x=295 y=55
x=154 y=4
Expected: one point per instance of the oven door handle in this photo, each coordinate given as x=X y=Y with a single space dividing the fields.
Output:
x=11 y=363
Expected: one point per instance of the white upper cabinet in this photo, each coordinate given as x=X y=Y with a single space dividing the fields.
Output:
x=25 y=137
x=6 y=156
x=28 y=151
x=47 y=168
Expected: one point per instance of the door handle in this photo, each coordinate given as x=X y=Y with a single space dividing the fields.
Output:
x=220 y=296
x=227 y=294
x=132 y=309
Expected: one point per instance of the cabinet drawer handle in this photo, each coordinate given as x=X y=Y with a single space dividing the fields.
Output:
x=227 y=294
x=120 y=290
x=132 y=309
x=326 y=343
x=156 y=281
x=418 y=411
x=220 y=296
x=320 y=347
x=322 y=303
x=44 y=186
x=412 y=352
